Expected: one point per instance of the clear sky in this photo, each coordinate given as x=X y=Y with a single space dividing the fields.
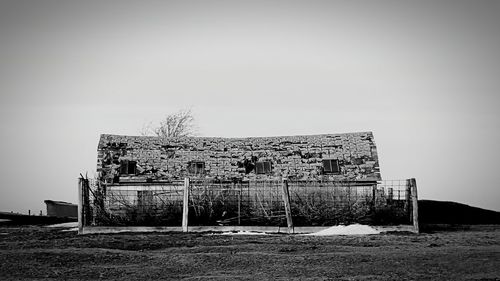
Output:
x=422 y=75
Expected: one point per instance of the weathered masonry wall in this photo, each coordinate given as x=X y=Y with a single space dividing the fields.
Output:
x=295 y=157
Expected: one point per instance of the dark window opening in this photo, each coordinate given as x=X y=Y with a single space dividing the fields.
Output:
x=196 y=168
x=128 y=167
x=247 y=164
x=263 y=167
x=331 y=166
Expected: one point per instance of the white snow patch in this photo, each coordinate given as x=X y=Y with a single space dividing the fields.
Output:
x=243 y=233
x=70 y=229
x=66 y=224
x=352 y=229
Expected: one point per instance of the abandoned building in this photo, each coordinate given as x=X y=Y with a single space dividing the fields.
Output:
x=324 y=179
x=335 y=157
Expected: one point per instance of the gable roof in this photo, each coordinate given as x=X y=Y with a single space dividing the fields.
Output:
x=291 y=156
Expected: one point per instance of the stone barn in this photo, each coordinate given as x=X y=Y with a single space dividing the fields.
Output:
x=303 y=181
x=330 y=178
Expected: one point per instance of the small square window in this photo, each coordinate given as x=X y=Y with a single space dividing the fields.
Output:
x=331 y=166
x=263 y=167
x=128 y=167
x=196 y=168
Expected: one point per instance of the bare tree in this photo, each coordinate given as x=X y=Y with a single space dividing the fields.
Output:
x=179 y=124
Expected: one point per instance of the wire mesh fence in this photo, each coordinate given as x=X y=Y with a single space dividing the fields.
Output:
x=134 y=205
x=236 y=203
x=246 y=203
x=332 y=203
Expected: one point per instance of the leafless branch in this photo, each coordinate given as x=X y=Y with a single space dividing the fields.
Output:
x=179 y=124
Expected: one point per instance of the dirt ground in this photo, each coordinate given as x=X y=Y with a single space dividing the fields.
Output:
x=468 y=253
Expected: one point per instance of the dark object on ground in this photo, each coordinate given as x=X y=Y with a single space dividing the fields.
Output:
x=443 y=212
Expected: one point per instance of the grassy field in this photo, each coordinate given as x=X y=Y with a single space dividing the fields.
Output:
x=466 y=253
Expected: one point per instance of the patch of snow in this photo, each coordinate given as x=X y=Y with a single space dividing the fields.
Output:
x=70 y=229
x=4 y=220
x=243 y=233
x=352 y=229
x=66 y=224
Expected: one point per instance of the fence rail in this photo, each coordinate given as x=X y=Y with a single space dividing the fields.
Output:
x=247 y=203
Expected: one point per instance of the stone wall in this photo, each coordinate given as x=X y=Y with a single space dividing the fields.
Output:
x=295 y=157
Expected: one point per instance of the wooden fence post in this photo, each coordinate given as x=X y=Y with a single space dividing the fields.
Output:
x=80 y=205
x=414 y=198
x=288 y=210
x=87 y=215
x=374 y=197
x=407 y=197
x=185 y=206
x=239 y=205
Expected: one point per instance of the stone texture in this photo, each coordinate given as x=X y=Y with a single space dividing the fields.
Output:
x=295 y=157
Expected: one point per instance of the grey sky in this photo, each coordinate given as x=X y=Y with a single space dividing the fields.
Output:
x=422 y=75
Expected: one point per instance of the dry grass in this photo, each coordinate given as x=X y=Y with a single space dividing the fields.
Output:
x=468 y=253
